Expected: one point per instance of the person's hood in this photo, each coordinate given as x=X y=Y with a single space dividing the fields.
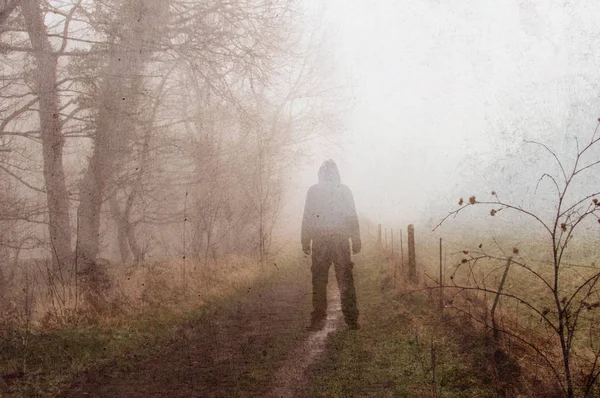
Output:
x=329 y=173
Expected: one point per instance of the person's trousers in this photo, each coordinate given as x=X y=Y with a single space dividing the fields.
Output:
x=336 y=252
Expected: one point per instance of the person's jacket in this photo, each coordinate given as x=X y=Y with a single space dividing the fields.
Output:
x=329 y=211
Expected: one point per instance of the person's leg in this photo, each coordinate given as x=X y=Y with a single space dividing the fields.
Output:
x=320 y=274
x=345 y=280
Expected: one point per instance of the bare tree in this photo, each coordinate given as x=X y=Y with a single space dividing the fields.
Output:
x=119 y=98
x=45 y=77
x=570 y=299
x=36 y=87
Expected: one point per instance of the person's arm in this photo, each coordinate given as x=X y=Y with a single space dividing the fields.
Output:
x=306 y=231
x=353 y=224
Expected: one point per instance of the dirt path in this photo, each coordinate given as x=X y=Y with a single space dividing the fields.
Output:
x=290 y=381
x=255 y=345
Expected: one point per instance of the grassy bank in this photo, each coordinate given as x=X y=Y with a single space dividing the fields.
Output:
x=402 y=349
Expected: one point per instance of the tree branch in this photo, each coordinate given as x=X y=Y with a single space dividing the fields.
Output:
x=21 y=180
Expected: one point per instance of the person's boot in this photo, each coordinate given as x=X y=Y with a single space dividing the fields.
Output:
x=316 y=324
x=353 y=324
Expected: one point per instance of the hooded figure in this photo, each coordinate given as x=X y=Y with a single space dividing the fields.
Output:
x=330 y=223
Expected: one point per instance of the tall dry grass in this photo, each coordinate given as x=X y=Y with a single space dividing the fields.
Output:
x=33 y=300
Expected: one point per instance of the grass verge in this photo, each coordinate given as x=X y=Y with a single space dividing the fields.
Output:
x=402 y=349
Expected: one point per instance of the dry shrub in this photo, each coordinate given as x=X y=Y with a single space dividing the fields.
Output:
x=95 y=285
x=10 y=318
x=156 y=289
x=20 y=299
x=161 y=285
x=518 y=368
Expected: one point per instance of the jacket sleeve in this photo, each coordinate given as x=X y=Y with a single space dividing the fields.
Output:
x=354 y=228
x=307 y=227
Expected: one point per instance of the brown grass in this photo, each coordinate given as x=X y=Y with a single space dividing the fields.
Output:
x=32 y=302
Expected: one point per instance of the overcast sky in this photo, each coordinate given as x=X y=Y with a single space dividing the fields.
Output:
x=444 y=90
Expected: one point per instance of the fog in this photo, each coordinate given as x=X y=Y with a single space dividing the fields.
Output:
x=151 y=131
x=443 y=95
x=156 y=155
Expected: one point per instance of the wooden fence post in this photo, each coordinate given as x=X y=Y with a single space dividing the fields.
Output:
x=441 y=279
x=385 y=238
x=412 y=258
x=394 y=262
x=401 y=251
x=497 y=299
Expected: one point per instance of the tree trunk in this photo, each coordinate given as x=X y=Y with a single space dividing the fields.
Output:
x=52 y=139
x=88 y=214
x=136 y=191
x=128 y=243
x=133 y=243
x=117 y=216
x=119 y=99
